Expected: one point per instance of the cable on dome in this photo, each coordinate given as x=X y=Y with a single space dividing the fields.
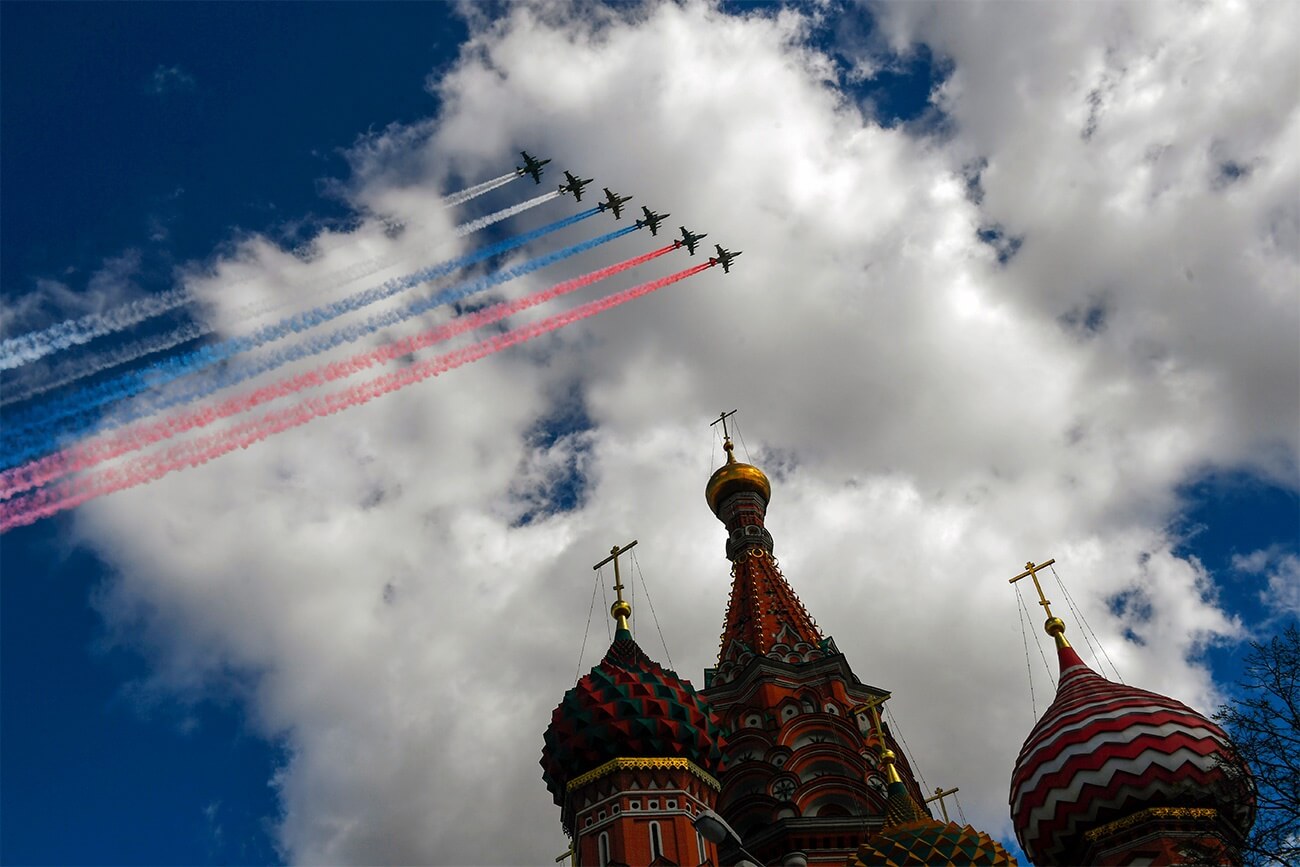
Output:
x=742 y=442
x=600 y=576
x=960 y=811
x=911 y=760
x=646 y=588
x=1029 y=669
x=586 y=633
x=1086 y=627
x=1037 y=641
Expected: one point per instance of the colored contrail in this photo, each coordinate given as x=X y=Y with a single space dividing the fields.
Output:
x=87 y=455
x=315 y=345
x=72 y=371
x=96 y=364
x=192 y=453
x=26 y=348
x=19 y=438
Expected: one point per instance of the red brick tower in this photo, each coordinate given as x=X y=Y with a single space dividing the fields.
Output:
x=802 y=770
x=632 y=756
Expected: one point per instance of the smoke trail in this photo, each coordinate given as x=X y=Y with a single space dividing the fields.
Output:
x=17 y=351
x=477 y=190
x=71 y=371
x=86 y=455
x=82 y=368
x=161 y=372
x=236 y=374
x=192 y=453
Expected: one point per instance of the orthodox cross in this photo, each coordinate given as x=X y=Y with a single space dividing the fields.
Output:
x=1031 y=571
x=939 y=795
x=723 y=418
x=871 y=705
x=620 y=610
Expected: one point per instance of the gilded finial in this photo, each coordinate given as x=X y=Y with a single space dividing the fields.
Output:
x=620 y=610
x=1054 y=626
x=727 y=445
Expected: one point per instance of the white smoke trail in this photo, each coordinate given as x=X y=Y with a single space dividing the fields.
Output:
x=477 y=190
x=81 y=368
x=35 y=345
x=27 y=348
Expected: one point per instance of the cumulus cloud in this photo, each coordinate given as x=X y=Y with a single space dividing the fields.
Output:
x=399 y=592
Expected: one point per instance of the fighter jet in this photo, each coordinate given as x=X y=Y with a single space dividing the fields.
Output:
x=690 y=240
x=724 y=258
x=613 y=202
x=532 y=166
x=574 y=185
x=652 y=220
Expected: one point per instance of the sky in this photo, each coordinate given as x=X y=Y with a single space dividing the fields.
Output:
x=1019 y=282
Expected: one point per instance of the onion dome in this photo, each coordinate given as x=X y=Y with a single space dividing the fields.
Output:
x=733 y=477
x=911 y=837
x=1104 y=751
x=628 y=707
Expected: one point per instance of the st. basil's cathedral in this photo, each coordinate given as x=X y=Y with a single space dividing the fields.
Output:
x=785 y=749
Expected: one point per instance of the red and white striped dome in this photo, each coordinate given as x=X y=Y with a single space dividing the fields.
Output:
x=1104 y=750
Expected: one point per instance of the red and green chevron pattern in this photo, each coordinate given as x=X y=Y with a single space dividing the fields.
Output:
x=628 y=707
x=1104 y=750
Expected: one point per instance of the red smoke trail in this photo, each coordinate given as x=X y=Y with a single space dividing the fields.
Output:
x=86 y=455
x=192 y=453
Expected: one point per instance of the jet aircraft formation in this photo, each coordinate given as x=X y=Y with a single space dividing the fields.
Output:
x=613 y=202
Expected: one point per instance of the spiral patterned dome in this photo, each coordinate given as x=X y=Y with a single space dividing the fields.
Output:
x=629 y=706
x=1104 y=750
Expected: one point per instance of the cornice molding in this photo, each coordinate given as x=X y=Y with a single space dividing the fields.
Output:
x=635 y=764
x=1208 y=814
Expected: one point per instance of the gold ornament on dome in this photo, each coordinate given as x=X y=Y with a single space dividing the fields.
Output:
x=733 y=477
x=1184 y=814
x=639 y=763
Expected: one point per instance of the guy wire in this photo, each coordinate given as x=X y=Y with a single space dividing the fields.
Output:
x=646 y=588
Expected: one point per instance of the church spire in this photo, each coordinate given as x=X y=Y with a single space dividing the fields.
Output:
x=764 y=616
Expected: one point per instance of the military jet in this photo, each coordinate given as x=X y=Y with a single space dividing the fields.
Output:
x=532 y=166
x=574 y=185
x=613 y=202
x=724 y=258
x=690 y=240
x=651 y=219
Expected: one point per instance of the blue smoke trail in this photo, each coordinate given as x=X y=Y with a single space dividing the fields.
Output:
x=166 y=370
x=83 y=367
x=17 y=351
x=85 y=424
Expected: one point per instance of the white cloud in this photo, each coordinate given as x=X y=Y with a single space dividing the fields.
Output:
x=1282 y=570
x=930 y=416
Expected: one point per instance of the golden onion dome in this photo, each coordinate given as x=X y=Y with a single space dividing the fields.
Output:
x=733 y=477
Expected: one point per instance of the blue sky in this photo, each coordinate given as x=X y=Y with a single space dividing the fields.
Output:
x=157 y=135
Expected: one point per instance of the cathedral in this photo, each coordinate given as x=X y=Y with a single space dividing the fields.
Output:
x=783 y=758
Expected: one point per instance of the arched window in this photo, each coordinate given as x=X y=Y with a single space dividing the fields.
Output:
x=699 y=842
x=602 y=845
x=656 y=842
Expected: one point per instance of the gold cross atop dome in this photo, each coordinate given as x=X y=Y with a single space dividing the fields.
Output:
x=1054 y=626
x=620 y=610
x=734 y=476
x=939 y=794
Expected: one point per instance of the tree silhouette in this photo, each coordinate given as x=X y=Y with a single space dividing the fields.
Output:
x=1264 y=724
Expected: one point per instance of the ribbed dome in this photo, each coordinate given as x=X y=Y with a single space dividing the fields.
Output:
x=628 y=707
x=733 y=477
x=1104 y=750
